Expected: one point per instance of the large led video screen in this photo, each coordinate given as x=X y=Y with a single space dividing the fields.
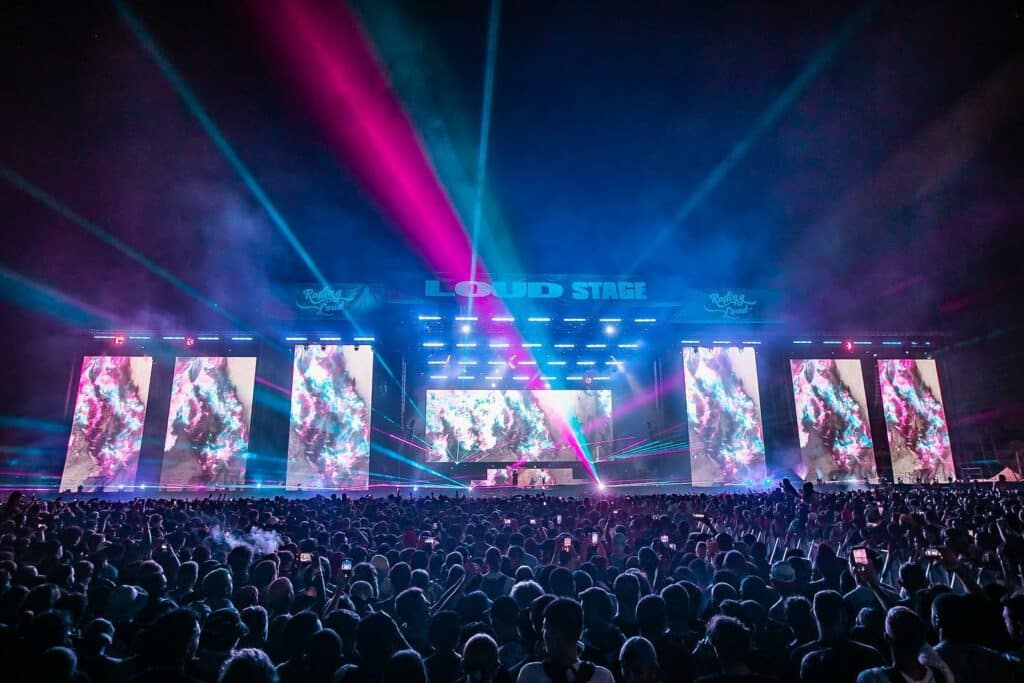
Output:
x=832 y=419
x=724 y=416
x=329 y=433
x=915 y=419
x=207 y=439
x=106 y=431
x=511 y=425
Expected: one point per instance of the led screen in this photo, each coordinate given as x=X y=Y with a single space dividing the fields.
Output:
x=832 y=419
x=208 y=422
x=527 y=477
x=915 y=419
x=329 y=434
x=479 y=425
x=724 y=415
x=106 y=431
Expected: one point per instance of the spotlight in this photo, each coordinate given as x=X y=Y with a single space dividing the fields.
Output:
x=119 y=340
x=601 y=486
x=142 y=487
x=259 y=485
x=768 y=482
x=848 y=345
x=609 y=330
x=190 y=341
x=466 y=328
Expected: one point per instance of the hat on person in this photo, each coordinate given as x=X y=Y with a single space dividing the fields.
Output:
x=226 y=623
x=98 y=630
x=125 y=602
x=783 y=572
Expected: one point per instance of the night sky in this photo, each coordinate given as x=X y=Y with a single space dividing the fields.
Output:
x=887 y=194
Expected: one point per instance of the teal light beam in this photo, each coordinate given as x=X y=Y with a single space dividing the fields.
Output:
x=34 y=296
x=51 y=202
x=485 y=135
x=384 y=450
x=220 y=140
x=765 y=122
x=192 y=102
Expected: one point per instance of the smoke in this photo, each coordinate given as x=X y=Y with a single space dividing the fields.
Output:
x=258 y=540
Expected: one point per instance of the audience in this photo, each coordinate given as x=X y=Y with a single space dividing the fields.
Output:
x=913 y=584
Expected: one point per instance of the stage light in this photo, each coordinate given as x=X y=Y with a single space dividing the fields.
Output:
x=259 y=485
x=802 y=341
x=565 y=346
x=466 y=329
x=208 y=338
x=142 y=487
x=466 y=345
x=363 y=339
x=241 y=339
x=767 y=482
x=609 y=330
x=430 y=317
x=295 y=339
x=119 y=340
x=539 y=319
x=433 y=345
x=139 y=337
x=601 y=486
x=689 y=341
x=330 y=339
x=748 y=482
x=574 y=320
x=629 y=346
x=466 y=318
x=190 y=341
x=644 y=320
x=597 y=346
x=848 y=345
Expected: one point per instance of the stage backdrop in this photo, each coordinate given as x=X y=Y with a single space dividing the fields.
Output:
x=106 y=432
x=724 y=416
x=207 y=438
x=511 y=425
x=915 y=420
x=832 y=419
x=329 y=432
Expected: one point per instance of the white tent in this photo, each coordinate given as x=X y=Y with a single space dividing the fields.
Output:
x=1008 y=473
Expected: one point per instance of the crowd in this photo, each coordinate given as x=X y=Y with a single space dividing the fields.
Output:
x=918 y=584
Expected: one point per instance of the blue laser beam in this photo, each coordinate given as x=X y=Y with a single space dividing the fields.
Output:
x=765 y=122
x=485 y=134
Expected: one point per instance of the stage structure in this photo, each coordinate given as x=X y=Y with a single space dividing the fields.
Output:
x=581 y=381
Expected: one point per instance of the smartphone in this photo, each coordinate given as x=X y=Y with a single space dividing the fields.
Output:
x=593 y=538
x=533 y=521
x=699 y=516
x=664 y=538
x=163 y=547
x=567 y=543
x=305 y=558
x=933 y=553
x=672 y=547
x=860 y=558
x=508 y=521
x=970 y=532
x=435 y=526
x=558 y=519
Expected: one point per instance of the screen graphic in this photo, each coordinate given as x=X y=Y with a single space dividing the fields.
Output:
x=329 y=434
x=207 y=438
x=832 y=419
x=724 y=416
x=527 y=477
x=481 y=425
x=106 y=431
x=915 y=420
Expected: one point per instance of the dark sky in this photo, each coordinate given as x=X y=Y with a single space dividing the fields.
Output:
x=887 y=195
